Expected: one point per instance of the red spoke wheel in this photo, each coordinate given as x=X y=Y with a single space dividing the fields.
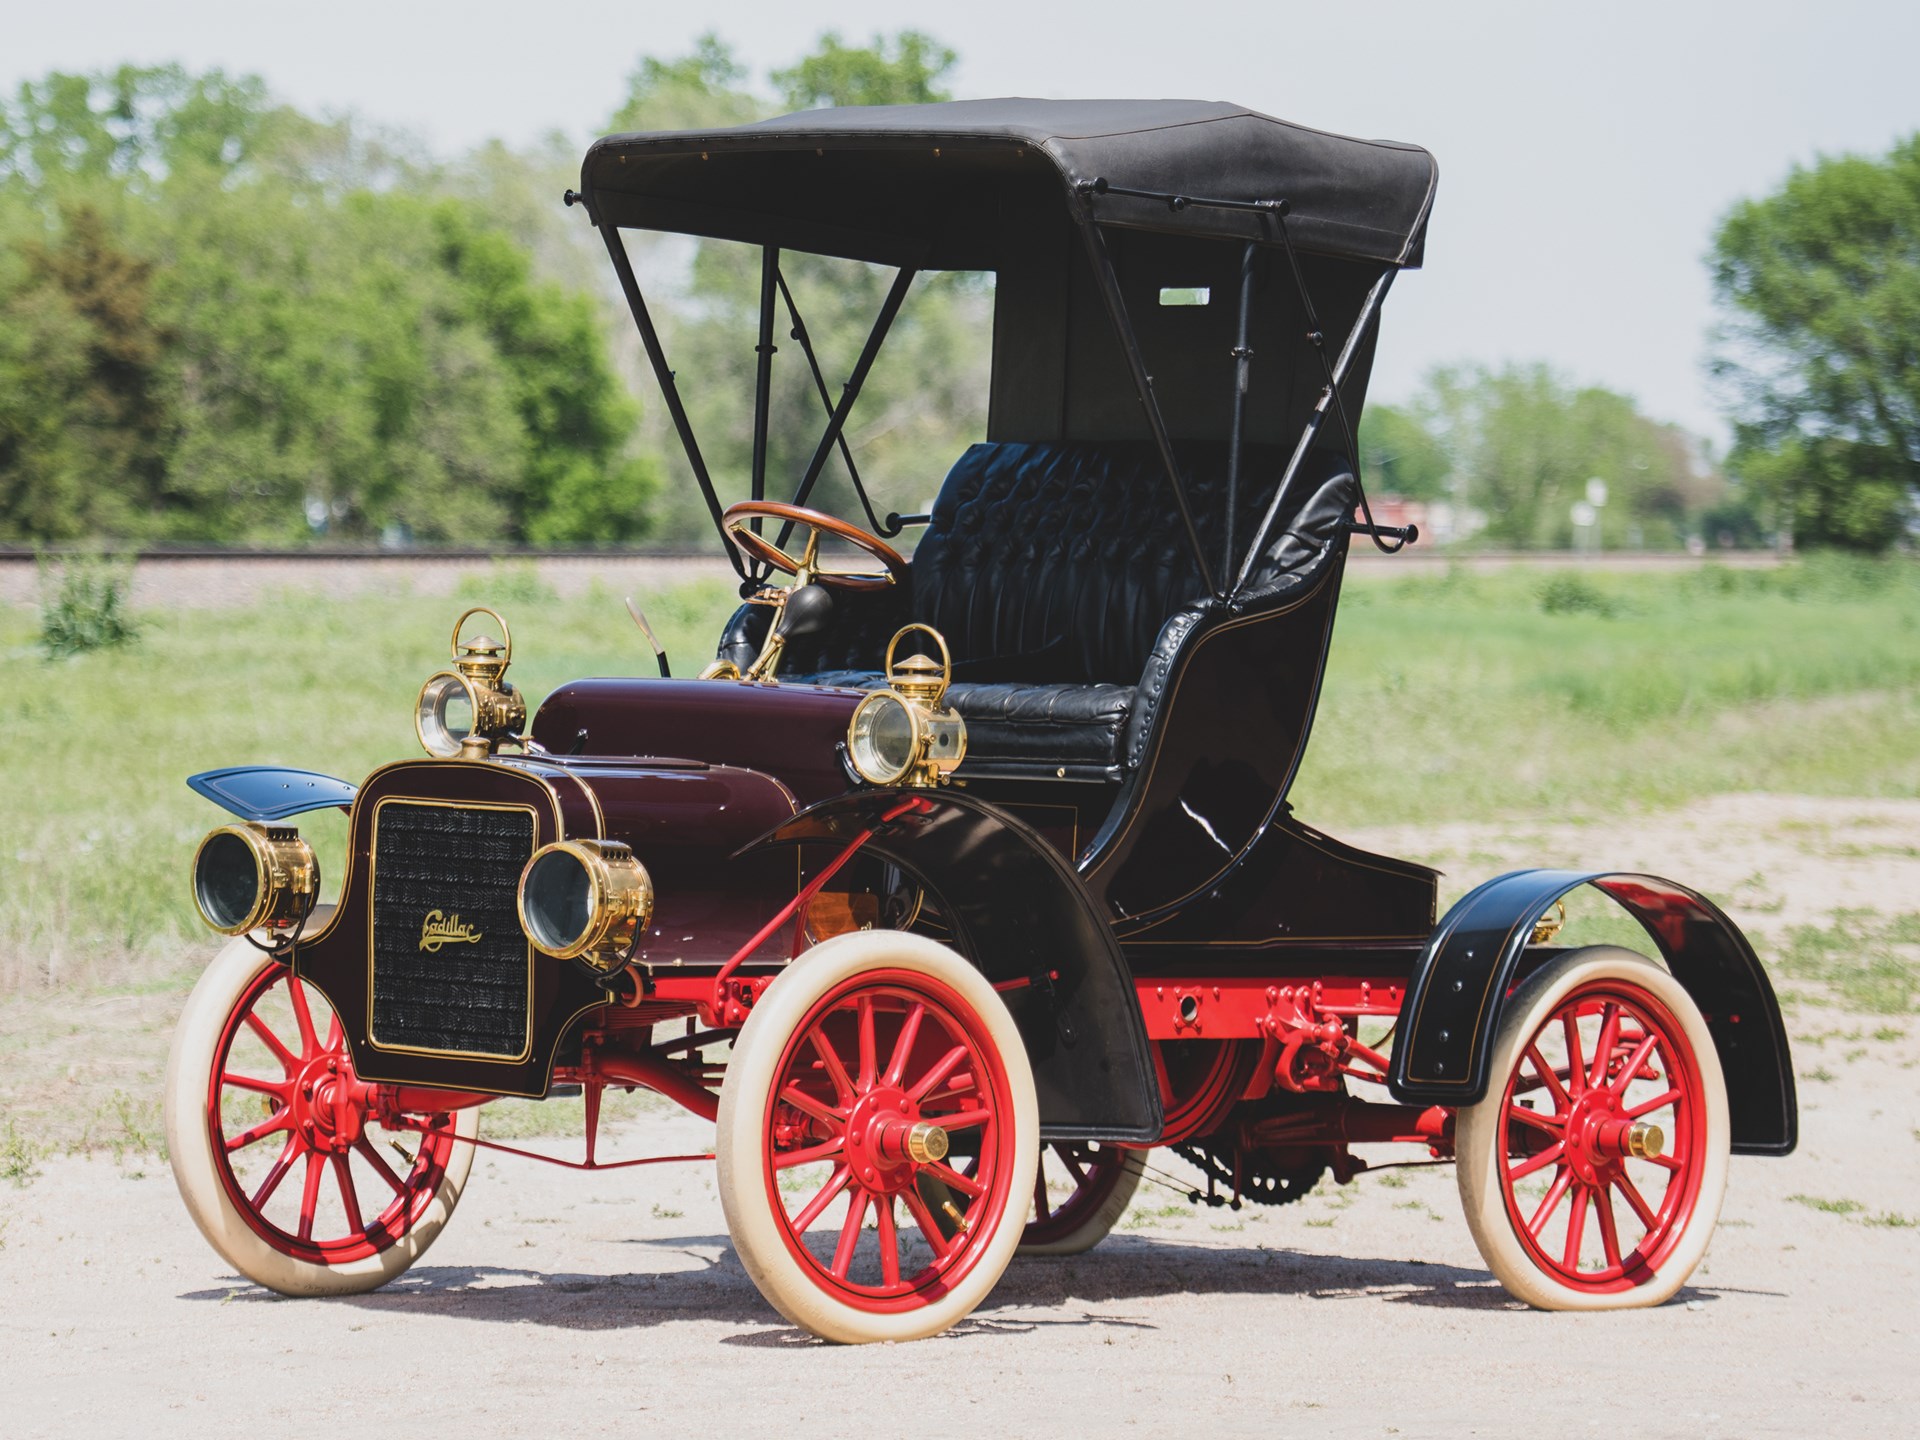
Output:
x=1592 y=1173
x=1079 y=1195
x=281 y=1164
x=871 y=1062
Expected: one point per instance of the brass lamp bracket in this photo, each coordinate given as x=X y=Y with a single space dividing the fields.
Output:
x=495 y=712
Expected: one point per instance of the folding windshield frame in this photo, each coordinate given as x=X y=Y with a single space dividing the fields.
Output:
x=773 y=287
x=1233 y=579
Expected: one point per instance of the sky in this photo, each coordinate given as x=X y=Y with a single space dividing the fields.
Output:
x=1586 y=152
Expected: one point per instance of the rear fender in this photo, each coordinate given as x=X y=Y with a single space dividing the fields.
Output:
x=1020 y=913
x=1468 y=968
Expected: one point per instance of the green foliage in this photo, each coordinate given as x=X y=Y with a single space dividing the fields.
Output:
x=1820 y=286
x=83 y=607
x=1524 y=442
x=1399 y=455
x=927 y=398
x=1568 y=592
x=906 y=70
x=697 y=91
x=243 y=331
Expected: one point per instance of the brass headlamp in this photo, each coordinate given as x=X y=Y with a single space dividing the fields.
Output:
x=585 y=900
x=253 y=876
x=905 y=734
x=468 y=710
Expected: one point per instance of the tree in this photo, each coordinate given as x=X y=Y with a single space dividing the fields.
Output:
x=1400 y=456
x=906 y=70
x=1819 y=351
x=696 y=91
x=1524 y=442
x=246 y=331
x=81 y=429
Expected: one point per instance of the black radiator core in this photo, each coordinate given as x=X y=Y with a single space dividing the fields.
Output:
x=450 y=962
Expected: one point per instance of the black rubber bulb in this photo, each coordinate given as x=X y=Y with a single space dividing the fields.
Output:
x=807 y=611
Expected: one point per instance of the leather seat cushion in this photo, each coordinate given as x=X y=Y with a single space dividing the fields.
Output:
x=1057 y=724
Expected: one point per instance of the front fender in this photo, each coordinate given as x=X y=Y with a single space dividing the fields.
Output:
x=1467 y=970
x=1019 y=911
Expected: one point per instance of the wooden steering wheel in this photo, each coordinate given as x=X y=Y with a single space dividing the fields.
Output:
x=807 y=567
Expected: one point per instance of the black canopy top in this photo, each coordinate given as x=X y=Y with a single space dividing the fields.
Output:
x=940 y=186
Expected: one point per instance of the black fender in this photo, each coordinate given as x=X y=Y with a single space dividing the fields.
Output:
x=1465 y=973
x=1019 y=912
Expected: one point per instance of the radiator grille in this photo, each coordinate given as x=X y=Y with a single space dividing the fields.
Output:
x=444 y=878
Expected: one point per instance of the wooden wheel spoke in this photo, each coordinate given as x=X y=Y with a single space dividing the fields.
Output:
x=869 y=1064
x=923 y=1217
x=1603 y=1047
x=349 y=1197
x=1576 y=1067
x=303 y=1016
x=279 y=1120
x=1631 y=1069
x=272 y=1041
x=850 y=1234
x=835 y=1184
x=365 y=1149
x=942 y=1068
x=1647 y=1107
x=1637 y=1201
x=836 y=1069
x=809 y=1154
x=277 y=1173
x=889 y=1240
x=953 y=1179
x=1603 y=1212
x=1665 y=1162
x=1042 y=1206
x=799 y=1099
x=253 y=1082
x=336 y=1034
x=1576 y=1227
x=310 y=1194
x=1555 y=1191
x=1545 y=1124
x=903 y=1046
x=1065 y=1153
x=1549 y=1078
x=961 y=1119
x=1546 y=1157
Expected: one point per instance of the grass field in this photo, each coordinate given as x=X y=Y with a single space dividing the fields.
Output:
x=1463 y=697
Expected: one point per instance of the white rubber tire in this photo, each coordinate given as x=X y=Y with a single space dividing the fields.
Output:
x=1479 y=1134
x=740 y=1146
x=1100 y=1222
x=196 y=1168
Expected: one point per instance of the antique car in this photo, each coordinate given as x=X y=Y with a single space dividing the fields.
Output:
x=960 y=880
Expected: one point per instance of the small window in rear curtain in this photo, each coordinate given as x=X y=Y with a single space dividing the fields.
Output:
x=1185 y=295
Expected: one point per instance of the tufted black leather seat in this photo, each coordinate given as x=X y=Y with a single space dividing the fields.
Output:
x=1064 y=583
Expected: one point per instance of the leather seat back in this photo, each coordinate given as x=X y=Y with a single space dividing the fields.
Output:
x=1059 y=563
x=1063 y=561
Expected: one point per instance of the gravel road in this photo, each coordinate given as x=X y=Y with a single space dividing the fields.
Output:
x=564 y=1304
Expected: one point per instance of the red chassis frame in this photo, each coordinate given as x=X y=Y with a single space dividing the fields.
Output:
x=1305 y=1026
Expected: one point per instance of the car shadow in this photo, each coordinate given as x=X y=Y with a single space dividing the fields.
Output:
x=1091 y=1290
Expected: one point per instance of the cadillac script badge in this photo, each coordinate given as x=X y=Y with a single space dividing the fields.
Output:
x=439 y=929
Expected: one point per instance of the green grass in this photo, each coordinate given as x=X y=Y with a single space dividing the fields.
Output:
x=1470 y=696
x=1455 y=697
x=1868 y=962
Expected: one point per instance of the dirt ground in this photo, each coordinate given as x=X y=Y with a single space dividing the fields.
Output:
x=604 y=1304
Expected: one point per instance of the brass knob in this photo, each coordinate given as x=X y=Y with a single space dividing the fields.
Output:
x=926 y=1143
x=1646 y=1142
